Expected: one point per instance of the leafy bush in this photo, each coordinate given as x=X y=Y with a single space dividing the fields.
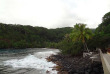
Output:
x=72 y=48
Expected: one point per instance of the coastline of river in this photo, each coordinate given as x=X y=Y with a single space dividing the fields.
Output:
x=67 y=64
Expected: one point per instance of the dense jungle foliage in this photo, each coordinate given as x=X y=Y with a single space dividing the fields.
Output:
x=83 y=39
x=19 y=36
x=101 y=38
x=69 y=40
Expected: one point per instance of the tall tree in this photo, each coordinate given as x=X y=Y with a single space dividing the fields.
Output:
x=81 y=33
x=102 y=33
x=106 y=17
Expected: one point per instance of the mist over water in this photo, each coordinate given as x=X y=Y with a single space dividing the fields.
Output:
x=33 y=62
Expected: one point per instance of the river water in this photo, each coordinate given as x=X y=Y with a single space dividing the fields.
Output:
x=26 y=61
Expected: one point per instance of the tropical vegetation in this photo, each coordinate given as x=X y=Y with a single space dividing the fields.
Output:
x=69 y=40
x=75 y=42
x=21 y=36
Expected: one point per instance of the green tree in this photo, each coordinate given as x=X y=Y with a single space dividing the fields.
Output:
x=67 y=46
x=102 y=33
x=106 y=17
x=81 y=33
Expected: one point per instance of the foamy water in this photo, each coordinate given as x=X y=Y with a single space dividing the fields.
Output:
x=36 y=61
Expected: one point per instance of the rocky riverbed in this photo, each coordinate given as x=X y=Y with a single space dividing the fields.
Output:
x=67 y=64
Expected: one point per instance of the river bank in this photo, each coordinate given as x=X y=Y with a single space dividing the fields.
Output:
x=67 y=64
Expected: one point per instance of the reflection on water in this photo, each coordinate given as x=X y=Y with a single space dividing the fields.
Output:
x=27 y=61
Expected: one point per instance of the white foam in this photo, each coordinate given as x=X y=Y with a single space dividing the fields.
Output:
x=44 y=54
x=36 y=61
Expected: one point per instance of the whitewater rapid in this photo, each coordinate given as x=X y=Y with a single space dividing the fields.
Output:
x=37 y=61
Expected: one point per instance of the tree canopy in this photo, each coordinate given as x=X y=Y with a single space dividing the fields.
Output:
x=20 y=36
x=101 y=38
x=69 y=40
x=75 y=42
x=81 y=33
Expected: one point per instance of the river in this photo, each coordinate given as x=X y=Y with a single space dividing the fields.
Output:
x=26 y=61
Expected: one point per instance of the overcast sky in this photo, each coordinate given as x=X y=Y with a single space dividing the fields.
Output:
x=53 y=13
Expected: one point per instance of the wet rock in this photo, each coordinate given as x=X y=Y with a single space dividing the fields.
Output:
x=87 y=72
x=76 y=65
x=47 y=71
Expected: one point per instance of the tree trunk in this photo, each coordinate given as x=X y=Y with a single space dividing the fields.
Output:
x=85 y=46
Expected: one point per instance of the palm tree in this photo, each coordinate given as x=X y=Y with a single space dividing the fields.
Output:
x=81 y=33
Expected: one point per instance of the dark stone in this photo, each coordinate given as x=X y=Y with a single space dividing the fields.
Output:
x=95 y=69
x=77 y=65
x=87 y=72
x=93 y=73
